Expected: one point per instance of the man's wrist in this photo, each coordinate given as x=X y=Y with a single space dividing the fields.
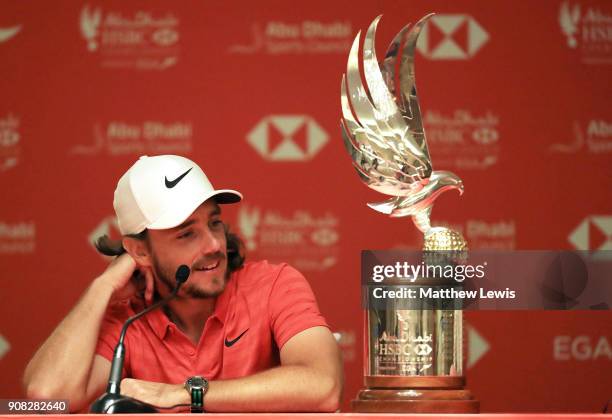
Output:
x=180 y=395
x=102 y=287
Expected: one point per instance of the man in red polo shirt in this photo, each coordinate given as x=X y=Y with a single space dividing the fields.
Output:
x=239 y=336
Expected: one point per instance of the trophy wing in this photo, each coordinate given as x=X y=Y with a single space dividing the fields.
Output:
x=385 y=141
x=383 y=131
x=406 y=95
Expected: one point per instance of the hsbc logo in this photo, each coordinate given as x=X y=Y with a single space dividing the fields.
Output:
x=287 y=138
x=594 y=233
x=305 y=240
x=141 y=39
x=485 y=135
x=451 y=37
x=165 y=37
x=324 y=236
x=422 y=349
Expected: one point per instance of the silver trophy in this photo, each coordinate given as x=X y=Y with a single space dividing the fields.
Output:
x=413 y=357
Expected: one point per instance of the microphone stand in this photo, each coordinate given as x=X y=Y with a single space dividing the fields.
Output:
x=112 y=401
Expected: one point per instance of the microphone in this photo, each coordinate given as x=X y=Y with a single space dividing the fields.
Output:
x=112 y=401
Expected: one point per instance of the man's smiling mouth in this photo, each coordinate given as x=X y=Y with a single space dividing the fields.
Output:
x=209 y=267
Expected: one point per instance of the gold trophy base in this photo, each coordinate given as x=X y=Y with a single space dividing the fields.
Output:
x=419 y=394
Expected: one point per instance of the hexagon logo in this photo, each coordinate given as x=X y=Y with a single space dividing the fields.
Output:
x=287 y=138
x=594 y=233
x=451 y=37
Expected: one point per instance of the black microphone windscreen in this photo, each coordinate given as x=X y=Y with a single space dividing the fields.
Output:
x=182 y=273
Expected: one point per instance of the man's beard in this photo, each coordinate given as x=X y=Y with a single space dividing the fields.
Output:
x=191 y=290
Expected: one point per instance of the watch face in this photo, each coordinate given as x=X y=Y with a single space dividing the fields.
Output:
x=196 y=381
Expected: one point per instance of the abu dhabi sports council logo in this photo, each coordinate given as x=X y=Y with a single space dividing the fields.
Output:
x=306 y=37
x=17 y=237
x=594 y=233
x=287 y=138
x=8 y=33
x=301 y=239
x=10 y=150
x=463 y=139
x=452 y=37
x=118 y=138
x=139 y=40
x=587 y=29
x=595 y=137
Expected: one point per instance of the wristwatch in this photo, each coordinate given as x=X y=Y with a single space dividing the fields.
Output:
x=197 y=387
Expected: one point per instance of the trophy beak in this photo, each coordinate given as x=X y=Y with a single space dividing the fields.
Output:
x=385 y=207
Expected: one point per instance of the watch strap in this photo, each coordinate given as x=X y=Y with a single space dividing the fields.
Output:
x=197 y=400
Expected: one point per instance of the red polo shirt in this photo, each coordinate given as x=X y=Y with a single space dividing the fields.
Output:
x=263 y=305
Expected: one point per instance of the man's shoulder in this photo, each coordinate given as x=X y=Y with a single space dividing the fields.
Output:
x=258 y=273
x=120 y=311
x=263 y=274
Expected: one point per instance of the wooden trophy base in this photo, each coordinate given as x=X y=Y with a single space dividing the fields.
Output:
x=418 y=394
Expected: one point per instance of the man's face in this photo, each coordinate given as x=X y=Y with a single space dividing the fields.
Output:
x=200 y=243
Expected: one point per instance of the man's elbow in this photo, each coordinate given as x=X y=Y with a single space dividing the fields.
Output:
x=331 y=394
x=35 y=388
x=37 y=392
x=41 y=392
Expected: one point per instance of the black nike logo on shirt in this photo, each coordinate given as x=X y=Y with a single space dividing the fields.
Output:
x=172 y=184
x=230 y=343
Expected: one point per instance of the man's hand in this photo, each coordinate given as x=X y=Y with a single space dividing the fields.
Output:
x=155 y=393
x=126 y=283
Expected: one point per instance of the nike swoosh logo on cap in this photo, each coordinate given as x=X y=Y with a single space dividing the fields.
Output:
x=172 y=184
x=230 y=343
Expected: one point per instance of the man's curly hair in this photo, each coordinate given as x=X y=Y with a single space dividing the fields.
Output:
x=235 y=247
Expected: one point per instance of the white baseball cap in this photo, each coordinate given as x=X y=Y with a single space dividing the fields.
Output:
x=161 y=192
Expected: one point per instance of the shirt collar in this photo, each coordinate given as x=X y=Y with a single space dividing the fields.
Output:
x=160 y=323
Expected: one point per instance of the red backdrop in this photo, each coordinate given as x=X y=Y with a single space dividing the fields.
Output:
x=515 y=98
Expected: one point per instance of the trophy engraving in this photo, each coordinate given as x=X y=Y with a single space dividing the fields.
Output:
x=406 y=349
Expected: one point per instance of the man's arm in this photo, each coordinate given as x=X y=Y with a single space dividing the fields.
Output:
x=65 y=366
x=309 y=379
